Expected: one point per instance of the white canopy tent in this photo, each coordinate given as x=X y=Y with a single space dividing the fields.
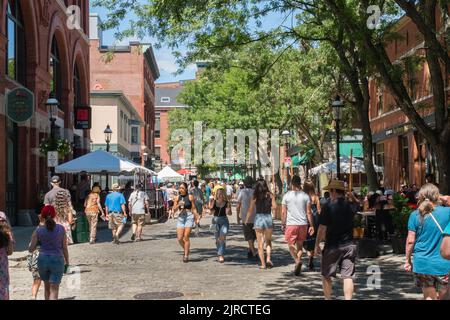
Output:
x=168 y=174
x=102 y=162
x=329 y=167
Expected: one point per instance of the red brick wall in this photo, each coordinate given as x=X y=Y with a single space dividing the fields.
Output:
x=164 y=137
x=43 y=19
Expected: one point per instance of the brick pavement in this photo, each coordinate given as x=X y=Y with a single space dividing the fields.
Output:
x=155 y=265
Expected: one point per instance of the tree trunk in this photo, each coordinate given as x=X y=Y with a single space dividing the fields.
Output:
x=443 y=162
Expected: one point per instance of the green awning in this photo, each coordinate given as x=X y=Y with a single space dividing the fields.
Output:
x=345 y=147
x=304 y=159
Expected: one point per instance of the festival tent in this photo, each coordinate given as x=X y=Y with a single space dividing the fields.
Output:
x=102 y=162
x=168 y=174
x=330 y=167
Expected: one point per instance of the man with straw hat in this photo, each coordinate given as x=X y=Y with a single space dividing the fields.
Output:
x=336 y=229
x=115 y=212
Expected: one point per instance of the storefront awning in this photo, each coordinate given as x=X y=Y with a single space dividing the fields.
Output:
x=345 y=147
x=304 y=159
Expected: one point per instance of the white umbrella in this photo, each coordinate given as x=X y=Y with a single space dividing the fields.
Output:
x=168 y=174
x=329 y=167
x=101 y=162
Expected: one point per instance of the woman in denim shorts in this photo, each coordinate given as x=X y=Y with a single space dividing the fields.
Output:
x=220 y=208
x=186 y=218
x=264 y=201
x=53 y=254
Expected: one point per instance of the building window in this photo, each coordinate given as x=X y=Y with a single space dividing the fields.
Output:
x=134 y=135
x=379 y=101
x=76 y=88
x=55 y=72
x=404 y=159
x=157 y=125
x=16 y=47
x=158 y=153
x=379 y=154
x=165 y=99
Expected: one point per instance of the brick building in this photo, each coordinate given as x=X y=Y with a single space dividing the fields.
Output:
x=132 y=70
x=398 y=147
x=166 y=100
x=39 y=52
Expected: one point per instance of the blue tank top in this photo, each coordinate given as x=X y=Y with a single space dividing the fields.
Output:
x=51 y=241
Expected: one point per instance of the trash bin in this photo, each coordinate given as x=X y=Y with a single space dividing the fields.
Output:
x=81 y=232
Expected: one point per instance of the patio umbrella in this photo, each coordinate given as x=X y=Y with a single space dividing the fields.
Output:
x=329 y=167
x=184 y=171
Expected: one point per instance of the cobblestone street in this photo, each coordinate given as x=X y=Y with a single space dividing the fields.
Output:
x=155 y=266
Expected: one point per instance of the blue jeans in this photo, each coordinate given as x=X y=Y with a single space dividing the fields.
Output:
x=222 y=226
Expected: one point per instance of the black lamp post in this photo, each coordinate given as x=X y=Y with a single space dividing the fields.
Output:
x=337 y=106
x=52 y=107
x=108 y=133
x=286 y=134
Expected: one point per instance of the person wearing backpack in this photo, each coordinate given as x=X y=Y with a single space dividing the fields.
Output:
x=425 y=236
x=138 y=203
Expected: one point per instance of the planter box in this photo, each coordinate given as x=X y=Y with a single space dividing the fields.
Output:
x=398 y=244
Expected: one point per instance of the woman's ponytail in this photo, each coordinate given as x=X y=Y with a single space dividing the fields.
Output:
x=50 y=223
x=428 y=199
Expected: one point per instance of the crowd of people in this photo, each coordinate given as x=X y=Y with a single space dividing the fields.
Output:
x=318 y=225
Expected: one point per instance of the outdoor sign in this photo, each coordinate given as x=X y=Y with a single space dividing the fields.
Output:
x=83 y=116
x=20 y=105
x=52 y=159
x=287 y=161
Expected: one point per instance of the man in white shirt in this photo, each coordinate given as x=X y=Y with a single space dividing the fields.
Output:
x=296 y=213
x=243 y=204
x=138 y=203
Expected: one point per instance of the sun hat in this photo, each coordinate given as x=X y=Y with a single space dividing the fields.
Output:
x=115 y=187
x=335 y=184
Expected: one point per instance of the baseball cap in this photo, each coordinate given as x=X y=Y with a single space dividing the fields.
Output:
x=56 y=179
x=48 y=210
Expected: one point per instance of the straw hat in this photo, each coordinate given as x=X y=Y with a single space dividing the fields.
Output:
x=115 y=187
x=335 y=184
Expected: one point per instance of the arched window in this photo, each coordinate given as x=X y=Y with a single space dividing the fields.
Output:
x=16 y=47
x=76 y=88
x=55 y=72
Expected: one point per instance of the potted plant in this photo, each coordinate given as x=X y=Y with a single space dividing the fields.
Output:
x=400 y=217
x=63 y=147
x=358 y=226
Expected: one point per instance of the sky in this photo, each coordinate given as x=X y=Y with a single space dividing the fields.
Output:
x=164 y=58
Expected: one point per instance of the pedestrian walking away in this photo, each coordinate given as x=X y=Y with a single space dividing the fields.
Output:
x=264 y=202
x=198 y=201
x=6 y=249
x=445 y=246
x=425 y=235
x=92 y=208
x=336 y=229
x=186 y=219
x=64 y=212
x=138 y=206
x=115 y=212
x=220 y=207
x=53 y=258
x=243 y=204
x=310 y=241
x=32 y=264
x=297 y=221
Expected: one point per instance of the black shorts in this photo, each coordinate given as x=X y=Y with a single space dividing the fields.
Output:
x=170 y=202
x=249 y=232
x=342 y=258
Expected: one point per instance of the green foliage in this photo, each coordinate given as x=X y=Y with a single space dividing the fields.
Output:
x=63 y=146
x=400 y=215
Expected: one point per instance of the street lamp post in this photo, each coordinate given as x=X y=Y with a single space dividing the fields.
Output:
x=286 y=134
x=52 y=107
x=108 y=133
x=337 y=106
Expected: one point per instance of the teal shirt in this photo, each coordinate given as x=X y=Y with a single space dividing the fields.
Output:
x=114 y=202
x=426 y=254
x=447 y=230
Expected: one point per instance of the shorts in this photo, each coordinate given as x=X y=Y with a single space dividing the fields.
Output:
x=427 y=281
x=51 y=268
x=263 y=221
x=115 y=220
x=249 y=232
x=294 y=234
x=185 y=220
x=170 y=203
x=138 y=219
x=343 y=257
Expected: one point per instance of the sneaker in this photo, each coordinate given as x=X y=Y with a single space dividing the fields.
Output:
x=116 y=240
x=92 y=241
x=133 y=237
